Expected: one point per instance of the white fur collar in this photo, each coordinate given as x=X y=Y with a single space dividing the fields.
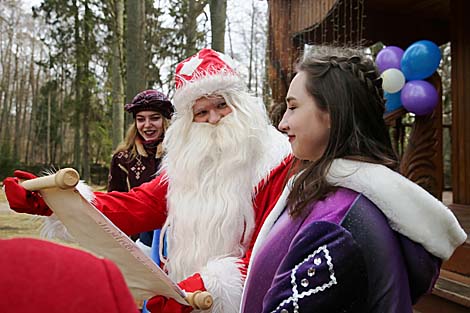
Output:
x=410 y=210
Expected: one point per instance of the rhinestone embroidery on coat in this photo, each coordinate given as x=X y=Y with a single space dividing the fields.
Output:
x=313 y=260
x=138 y=168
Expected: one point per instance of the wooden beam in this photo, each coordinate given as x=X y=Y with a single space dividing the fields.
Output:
x=460 y=50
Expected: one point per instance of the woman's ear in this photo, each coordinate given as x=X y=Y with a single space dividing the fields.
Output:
x=327 y=120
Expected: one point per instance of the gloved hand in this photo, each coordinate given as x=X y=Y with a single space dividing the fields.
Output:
x=160 y=304
x=22 y=200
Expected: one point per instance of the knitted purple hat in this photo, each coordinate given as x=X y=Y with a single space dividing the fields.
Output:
x=150 y=100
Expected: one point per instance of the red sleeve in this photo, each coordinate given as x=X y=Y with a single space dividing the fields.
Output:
x=141 y=209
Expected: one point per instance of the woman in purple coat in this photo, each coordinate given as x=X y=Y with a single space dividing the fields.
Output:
x=330 y=249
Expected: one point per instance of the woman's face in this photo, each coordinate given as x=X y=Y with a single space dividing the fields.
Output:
x=210 y=109
x=307 y=127
x=149 y=125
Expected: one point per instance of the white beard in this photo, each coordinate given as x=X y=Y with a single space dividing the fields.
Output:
x=212 y=175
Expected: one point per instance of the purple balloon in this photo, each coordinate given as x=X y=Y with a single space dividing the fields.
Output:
x=389 y=57
x=419 y=97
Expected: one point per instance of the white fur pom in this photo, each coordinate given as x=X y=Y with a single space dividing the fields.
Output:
x=223 y=279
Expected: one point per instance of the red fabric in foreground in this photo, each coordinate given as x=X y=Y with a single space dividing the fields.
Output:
x=163 y=305
x=41 y=276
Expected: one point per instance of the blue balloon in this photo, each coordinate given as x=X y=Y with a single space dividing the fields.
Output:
x=392 y=101
x=420 y=60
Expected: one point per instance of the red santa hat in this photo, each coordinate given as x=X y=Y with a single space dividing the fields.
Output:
x=205 y=73
x=41 y=276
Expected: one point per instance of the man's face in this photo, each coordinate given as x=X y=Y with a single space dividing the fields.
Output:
x=210 y=109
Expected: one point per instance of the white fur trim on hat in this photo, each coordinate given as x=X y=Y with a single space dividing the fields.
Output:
x=223 y=279
x=205 y=84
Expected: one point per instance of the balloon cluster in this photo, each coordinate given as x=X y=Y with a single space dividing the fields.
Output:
x=403 y=74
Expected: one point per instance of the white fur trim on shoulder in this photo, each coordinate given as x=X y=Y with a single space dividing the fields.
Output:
x=223 y=279
x=410 y=209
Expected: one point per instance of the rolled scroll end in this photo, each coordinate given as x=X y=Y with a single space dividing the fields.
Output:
x=67 y=178
x=64 y=179
x=200 y=300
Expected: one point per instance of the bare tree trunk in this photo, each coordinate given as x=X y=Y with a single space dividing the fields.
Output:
x=218 y=10
x=5 y=96
x=34 y=85
x=60 y=108
x=252 y=37
x=256 y=68
x=230 y=43
x=135 y=78
x=48 y=129
x=117 y=93
x=26 y=96
x=19 y=96
x=195 y=8
x=87 y=96
x=266 y=87
x=14 y=138
x=78 y=90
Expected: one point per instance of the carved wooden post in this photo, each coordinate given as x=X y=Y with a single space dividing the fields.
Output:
x=422 y=160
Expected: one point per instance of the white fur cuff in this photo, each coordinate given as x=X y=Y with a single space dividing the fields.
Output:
x=223 y=279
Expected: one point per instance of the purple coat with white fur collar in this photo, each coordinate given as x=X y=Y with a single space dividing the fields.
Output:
x=341 y=257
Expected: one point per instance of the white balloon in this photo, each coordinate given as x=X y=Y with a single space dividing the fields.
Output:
x=393 y=80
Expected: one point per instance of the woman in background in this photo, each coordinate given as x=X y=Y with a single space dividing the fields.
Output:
x=137 y=159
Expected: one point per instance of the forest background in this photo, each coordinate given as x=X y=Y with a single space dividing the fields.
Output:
x=68 y=67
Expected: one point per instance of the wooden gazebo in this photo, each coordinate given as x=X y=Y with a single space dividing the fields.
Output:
x=295 y=23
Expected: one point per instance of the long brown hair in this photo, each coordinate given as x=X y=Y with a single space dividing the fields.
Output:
x=347 y=85
x=132 y=134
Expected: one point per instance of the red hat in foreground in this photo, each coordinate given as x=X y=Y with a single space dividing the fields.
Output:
x=41 y=276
